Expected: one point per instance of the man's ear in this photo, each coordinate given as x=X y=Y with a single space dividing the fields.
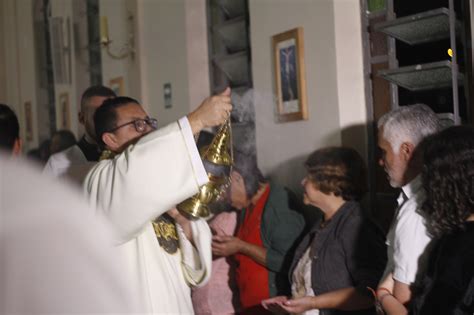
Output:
x=80 y=117
x=17 y=145
x=110 y=141
x=406 y=150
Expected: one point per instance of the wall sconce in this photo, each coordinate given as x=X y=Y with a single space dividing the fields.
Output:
x=127 y=48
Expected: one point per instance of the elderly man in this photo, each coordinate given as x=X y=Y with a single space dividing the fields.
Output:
x=146 y=173
x=77 y=160
x=400 y=132
x=9 y=131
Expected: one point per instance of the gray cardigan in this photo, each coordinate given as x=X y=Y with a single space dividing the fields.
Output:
x=348 y=252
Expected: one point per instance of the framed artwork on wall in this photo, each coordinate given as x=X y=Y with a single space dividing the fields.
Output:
x=64 y=111
x=28 y=121
x=290 y=82
x=116 y=85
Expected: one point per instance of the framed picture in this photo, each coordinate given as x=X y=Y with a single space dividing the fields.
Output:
x=64 y=111
x=288 y=50
x=28 y=122
x=116 y=85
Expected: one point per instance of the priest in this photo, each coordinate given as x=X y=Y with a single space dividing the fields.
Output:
x=146 y=173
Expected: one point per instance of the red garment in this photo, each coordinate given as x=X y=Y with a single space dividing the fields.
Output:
x=252 y=278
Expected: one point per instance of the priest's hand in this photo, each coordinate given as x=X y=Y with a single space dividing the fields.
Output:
x=226 y=245
x=213 y=111
x=183 y=222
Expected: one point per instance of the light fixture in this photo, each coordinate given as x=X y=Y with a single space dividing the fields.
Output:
x=126 y=49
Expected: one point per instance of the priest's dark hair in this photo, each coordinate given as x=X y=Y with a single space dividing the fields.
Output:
x=9 y=128
x=105 y=117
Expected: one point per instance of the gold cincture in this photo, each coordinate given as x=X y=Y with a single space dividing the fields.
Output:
x=217 y=159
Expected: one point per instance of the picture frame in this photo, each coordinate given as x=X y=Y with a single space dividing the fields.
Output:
x=64 y=111
x=117 y=86
x=290 y=80
x=28 y=121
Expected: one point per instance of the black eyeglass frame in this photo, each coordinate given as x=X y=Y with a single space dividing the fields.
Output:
x=152 y=122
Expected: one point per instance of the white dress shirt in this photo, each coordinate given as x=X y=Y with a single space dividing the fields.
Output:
x=407 y=238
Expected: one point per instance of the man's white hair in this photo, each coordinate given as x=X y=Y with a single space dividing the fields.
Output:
x=411 y=123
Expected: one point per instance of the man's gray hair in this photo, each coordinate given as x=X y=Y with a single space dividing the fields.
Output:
x=411 y=123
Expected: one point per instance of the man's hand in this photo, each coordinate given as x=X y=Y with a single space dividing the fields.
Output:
x=226 y=245
x=213 y=111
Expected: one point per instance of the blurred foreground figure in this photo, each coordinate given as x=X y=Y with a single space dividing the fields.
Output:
x=54 y=261
x=9 y=131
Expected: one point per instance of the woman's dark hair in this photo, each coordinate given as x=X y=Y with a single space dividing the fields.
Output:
x=338 y=170
x=246 y=165
x=105 y=117
x=448 y=179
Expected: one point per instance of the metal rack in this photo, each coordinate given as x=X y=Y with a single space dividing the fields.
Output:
x=424 y=27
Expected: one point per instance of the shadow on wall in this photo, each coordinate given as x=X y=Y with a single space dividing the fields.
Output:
x=355 y=136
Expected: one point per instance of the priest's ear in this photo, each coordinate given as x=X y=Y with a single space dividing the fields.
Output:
x=110 y=141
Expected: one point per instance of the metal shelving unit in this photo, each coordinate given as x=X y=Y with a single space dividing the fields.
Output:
x=418 y=28
x=421 y=77
x=425 y=27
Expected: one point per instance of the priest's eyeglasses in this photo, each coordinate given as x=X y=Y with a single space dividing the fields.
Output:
x=139 y=124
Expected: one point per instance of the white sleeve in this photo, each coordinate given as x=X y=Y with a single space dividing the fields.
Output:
x=411 y=239
x=201 y=174
x=144 y=181
x=196 y=261
x=53 y=166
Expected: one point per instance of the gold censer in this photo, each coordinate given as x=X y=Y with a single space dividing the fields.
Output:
x=217 y=159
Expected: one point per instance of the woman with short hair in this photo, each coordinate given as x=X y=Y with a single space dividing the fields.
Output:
x=344 y=253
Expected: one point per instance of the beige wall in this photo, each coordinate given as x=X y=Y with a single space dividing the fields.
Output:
x=171 y=47
x=64 y=9
x=282 y=147
x=120 y=28
x=350 y=75
x=19 y=72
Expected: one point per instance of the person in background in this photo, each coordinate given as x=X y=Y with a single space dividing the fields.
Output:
x=75 y=162
x=61 y=140
x=399 y=133
x=344 y=253
x=9 y=131
x=270 y=224
x=447 y=285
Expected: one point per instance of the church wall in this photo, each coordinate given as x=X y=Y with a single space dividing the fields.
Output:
x=283 y=147
x=19 y=83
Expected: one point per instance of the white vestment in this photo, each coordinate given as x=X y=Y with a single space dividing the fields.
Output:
x=162 y=169
x=70 y=163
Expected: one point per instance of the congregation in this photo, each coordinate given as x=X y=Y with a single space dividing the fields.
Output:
x=258 y=254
